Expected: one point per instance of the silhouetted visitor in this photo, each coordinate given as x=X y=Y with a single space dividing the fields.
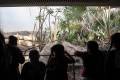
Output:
x=58 y=63
x=113 y=62
x=33 y=70
x=93 y=62
x=15 y=58
x=3 y=66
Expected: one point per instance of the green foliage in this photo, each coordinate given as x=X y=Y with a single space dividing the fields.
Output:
x=70 y=22
x=71 y=37
x=64 y=25
x=74 y=12
x=90 y=23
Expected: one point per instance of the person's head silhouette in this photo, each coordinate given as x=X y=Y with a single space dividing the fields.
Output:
x=12 y=40
x=92 y=46
x=34 y=56
x=58 y=50
x=115 y=40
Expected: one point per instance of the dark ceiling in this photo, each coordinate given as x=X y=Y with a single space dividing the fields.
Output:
x=58 y=2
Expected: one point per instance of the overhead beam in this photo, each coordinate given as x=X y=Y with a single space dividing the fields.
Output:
x=59 y=2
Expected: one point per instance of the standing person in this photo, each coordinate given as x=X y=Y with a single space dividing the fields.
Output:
x=93 y=62
x=58 y=63
x=113 y=62
x=3 y=57
x=33 y=70
x=15 y=58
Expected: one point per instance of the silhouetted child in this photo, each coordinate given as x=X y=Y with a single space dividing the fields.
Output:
x=93 y=61
x=33 y=70
x=113 y=62
x=58 y=63
x=15 y=58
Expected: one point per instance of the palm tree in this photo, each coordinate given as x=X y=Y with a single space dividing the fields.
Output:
x=101 y=22
x=96 y=23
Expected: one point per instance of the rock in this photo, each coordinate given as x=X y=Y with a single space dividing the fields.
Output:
x=70 y=48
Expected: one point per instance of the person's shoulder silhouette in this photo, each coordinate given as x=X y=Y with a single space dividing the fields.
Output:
x=14 y=50
x=92 y=49
x=115 y=45
x=3 y=57
x=58 y=63
x=113 y=62
x=60 y=54
x=93 y=61
x=35 y=69
x=15 y=58
x=2 y=45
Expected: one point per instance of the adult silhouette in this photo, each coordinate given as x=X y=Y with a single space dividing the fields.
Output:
x=35 y=69
x=3 y=66
x=58 y=63
x=93 y=61
x=15 y=58
x=113 y=62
